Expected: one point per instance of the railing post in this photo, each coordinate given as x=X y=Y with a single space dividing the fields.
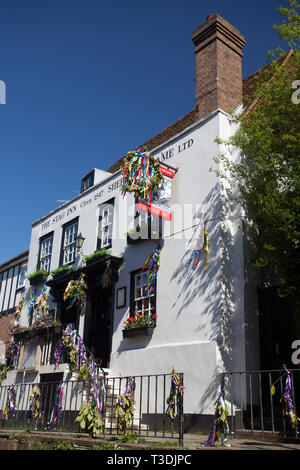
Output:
x=181 y=415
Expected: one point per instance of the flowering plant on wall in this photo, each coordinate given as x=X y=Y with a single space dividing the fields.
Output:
x=76 y=291
x=136 y=321
x=141 y=174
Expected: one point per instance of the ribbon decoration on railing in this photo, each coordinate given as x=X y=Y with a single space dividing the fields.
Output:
x=57 y=406
x=78 y=356
x=141 y=174
x=220 y=426
x=10 y=406
x=287 y=400
x=97 y=387
x=35 y=404
x=176 y=394
x=152 y=264
x=125 y=404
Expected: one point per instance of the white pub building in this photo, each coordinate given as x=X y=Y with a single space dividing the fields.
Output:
x=196 y=318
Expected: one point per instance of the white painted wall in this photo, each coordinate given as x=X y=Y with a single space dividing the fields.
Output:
x=200 y=314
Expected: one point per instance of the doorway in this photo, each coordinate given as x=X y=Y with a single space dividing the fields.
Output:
x=98 y=325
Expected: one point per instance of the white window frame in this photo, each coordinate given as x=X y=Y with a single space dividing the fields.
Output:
x=69 y=246
x=46 y=245
x=22 y=275
x=147 y=302
x=106 y=225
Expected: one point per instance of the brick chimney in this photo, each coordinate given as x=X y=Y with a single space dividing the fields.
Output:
x=218 y=49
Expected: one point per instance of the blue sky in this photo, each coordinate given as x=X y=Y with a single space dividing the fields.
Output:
x=87 y=81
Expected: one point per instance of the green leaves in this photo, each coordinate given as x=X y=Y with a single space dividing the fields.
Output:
x=89 y=420
x=266 y=179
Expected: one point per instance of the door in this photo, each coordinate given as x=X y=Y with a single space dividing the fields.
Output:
x=98 y=332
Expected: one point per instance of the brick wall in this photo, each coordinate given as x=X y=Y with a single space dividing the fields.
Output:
x=218 y=49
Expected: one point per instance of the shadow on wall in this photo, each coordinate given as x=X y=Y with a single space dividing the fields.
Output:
x=147 y=246
x=213 y=287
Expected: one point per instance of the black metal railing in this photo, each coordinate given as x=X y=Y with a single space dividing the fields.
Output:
x=150 y=417
x=255 y=401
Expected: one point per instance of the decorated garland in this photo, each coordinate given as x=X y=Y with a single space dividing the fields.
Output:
x=141 y=174
x=107 y=276
x=69 y=343
x=176 y=395
x=124 y=407
x=10 y=406
x=42 y=306
x=57 y=406
x=20 y=306
x=286 y=399
x=152 y=264
x=90 y=415
x=13 y=354
x=35 y=404
x=204 y=245
x=32 y=301
x=220 y=426
x=76 y=291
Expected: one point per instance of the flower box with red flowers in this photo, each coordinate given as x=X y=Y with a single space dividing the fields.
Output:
x=139 y=325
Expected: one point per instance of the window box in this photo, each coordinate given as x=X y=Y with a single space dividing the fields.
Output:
x=38 y=332
x=38 y=279
x=97 y=256
x=62 y=271
x=139 y=331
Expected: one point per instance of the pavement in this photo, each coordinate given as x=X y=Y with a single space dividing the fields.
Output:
x=21 y=440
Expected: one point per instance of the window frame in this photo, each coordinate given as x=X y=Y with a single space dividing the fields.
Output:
x=134 y=299
x=41 y=241
x=102 y=207
x=65 y=227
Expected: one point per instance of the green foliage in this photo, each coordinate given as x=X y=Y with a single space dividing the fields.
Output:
x=97 y=254
x=84 y=372
x=130 y=437
x=90 y=420
x=37 y=274
x=3 y=372
x=136 y=321
x=124 y=408
x=289 y=30
x=61 y=269
x=267 y=176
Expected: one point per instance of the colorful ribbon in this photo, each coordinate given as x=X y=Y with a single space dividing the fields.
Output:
x=10 y=406
x=107 y=276
x=42 y=300
x=152 y=264
x=57 y=406
x=204 y=245
x=141 y=174
x=176 y=394
x=20 y=305
x=288 y=402
x=220 y=425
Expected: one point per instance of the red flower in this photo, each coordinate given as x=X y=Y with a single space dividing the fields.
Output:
x=154 y=315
